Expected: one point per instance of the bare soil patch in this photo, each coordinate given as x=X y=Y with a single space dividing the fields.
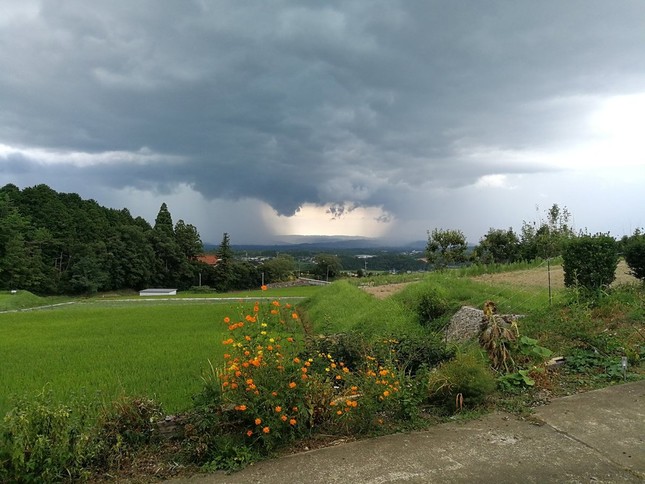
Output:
x=386 y=290
x=539 y=277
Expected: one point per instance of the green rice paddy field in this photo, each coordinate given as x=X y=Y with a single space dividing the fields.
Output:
x=114 y=347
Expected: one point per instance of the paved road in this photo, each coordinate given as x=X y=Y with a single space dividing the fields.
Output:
x=594 y=437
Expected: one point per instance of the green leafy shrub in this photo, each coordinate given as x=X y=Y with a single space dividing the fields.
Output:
x=467 y=376
x=428 y=302
x=635 y=255
x=590 y=261
x=44 y=441
x=416 y=352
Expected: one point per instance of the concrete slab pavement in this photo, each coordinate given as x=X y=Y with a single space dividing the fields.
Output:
x=592 y=437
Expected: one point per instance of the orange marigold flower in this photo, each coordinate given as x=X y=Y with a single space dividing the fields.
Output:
x=274 y=311
x=226 y=356
x=304 y=376
x=294 y=316
x=249 y=432
x=263 y=287
x=292 y=421
x=266 y=430
x=249 y=381
x=256 y=309
x=295 y=409
x=332 y=404
x=293 y=384
x=339 y=412
x=270 y=348
x=227 y=320
x=283 y=418
x=303 y=369
x=275 y=394
x=247 y=353
x=241 y=408
x=386 y=393
x=233 y=386
x=276 y=303
x=354 y=388
x=225 y=384
x=288 y=306
x=247 y=338
x=290 y=339
x=338 y=377
x=245 y=364
x=296 y=360
x=258 y=421
x=238 y=373
x=278 y=409
x=345 y=370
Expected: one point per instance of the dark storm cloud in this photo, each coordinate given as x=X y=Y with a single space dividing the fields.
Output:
x=302 y=102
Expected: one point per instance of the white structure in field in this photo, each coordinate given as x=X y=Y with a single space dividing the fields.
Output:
x=158 y=292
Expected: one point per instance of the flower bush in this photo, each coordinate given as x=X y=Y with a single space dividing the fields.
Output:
x=276 y=386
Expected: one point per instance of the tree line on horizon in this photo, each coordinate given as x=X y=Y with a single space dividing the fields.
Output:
x=59 y=243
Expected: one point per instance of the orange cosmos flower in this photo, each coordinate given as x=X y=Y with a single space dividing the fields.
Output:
x=292 y=384
x=283 y=418
x=292 y=421
x=258 y=421
x=278 y=409
x=266 y=430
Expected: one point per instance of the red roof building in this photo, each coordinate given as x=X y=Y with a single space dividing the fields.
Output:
x=209 y=259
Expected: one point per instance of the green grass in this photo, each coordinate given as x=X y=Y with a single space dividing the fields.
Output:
x=25 y=299
x=152 y=349
x=342 y=307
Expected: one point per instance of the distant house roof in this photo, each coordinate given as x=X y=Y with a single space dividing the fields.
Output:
x=209 y=259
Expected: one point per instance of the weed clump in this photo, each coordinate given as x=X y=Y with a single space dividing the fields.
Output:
x=463 y=382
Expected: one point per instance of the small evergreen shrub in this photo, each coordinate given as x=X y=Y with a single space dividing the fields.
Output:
x=590 y=262
x=635 y=255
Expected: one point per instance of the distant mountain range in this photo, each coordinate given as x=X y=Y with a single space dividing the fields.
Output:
x=291 y=243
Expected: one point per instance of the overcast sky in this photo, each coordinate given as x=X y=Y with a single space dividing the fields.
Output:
x=365 y=117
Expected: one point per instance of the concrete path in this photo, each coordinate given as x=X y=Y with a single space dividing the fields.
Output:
x=592 y=437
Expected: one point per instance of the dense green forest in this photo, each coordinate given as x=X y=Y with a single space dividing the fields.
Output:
x=54 y=243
